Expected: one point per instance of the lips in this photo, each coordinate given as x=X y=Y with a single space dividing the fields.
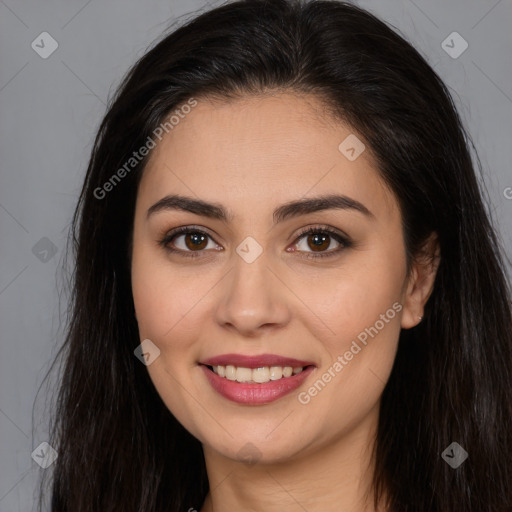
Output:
x=254 y=393
x=255 y=361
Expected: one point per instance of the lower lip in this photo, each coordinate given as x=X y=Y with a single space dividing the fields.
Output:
x=253 y=393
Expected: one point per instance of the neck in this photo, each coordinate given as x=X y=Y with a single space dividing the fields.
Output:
x=334 y=475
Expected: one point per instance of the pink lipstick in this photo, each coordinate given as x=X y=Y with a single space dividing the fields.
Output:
x=275 y=373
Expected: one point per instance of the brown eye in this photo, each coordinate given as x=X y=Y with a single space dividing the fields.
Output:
x=188 y=241
x=195 y=241
x=319 y=242
x=314 y=242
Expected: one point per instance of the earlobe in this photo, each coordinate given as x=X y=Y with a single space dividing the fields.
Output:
x=421 y=282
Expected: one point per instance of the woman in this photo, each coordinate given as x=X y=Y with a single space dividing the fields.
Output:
x=288 y=294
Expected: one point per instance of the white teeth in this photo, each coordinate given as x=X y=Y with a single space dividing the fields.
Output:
x=256 y=375
x=276 y=372
x=243 y=374
x=260 y=374
x=230 y=372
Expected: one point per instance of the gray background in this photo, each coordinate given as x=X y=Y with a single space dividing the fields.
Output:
x=50 y=109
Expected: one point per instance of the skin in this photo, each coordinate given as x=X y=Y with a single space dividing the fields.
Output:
x=252 y=155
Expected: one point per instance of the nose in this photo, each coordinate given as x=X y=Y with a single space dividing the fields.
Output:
x=253 y=299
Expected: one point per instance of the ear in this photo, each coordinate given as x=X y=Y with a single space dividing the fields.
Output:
x=420 y=283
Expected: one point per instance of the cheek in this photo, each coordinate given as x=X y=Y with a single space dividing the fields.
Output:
x=167 y=306
x=163 y=295
x=362 y=308
x=353 y=296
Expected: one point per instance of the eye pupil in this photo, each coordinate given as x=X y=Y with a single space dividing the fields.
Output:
x=319 y=241
x=196 y=239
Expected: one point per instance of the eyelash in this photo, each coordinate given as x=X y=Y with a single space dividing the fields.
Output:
x=341 y=239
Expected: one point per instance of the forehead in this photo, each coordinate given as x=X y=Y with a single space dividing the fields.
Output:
x=258 y=150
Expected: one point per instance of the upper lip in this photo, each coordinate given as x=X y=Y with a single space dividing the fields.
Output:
x=255 y=361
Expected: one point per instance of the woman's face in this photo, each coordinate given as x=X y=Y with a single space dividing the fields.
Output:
x=249 y=283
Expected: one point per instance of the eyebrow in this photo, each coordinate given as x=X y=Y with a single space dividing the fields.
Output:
x=283 y=212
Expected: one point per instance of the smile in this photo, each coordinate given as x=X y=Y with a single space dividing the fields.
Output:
x=256 y=375
x=252 y=392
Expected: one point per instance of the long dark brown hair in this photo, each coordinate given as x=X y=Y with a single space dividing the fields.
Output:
x=120 y=448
